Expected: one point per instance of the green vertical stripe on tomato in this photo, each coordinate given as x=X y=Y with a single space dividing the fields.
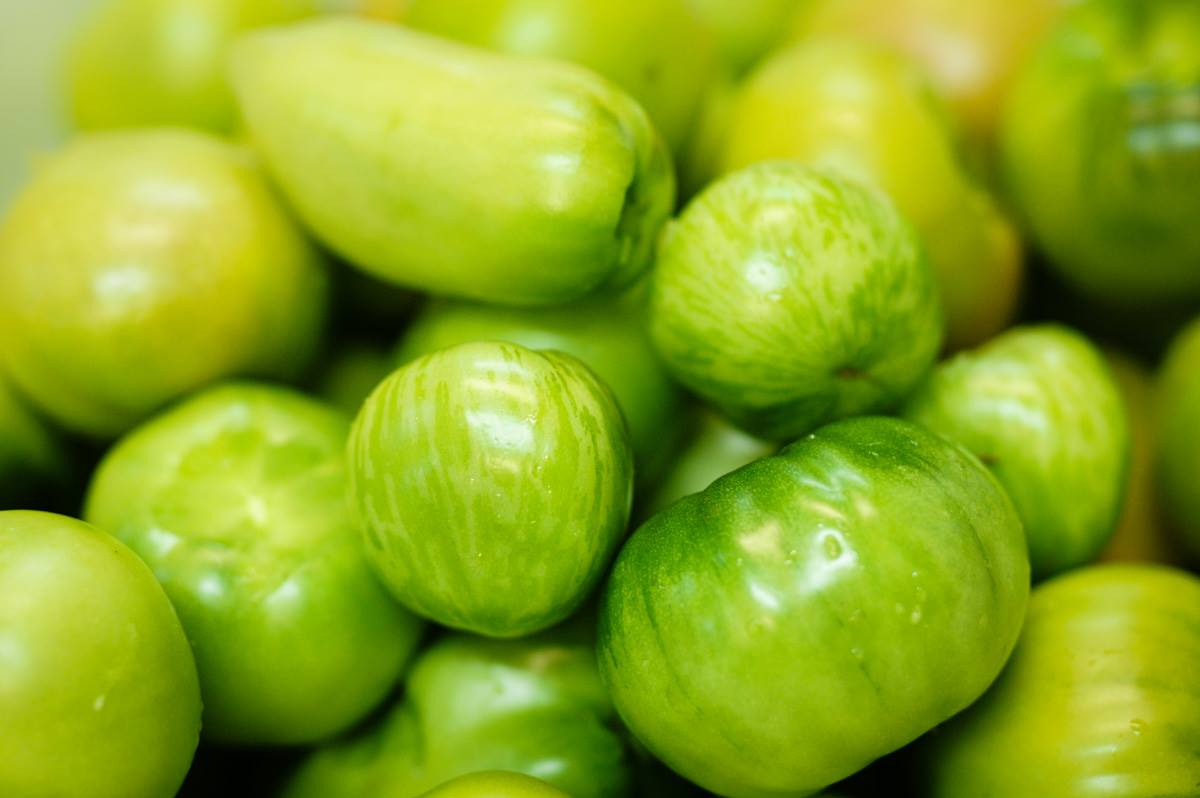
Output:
x=493 y=485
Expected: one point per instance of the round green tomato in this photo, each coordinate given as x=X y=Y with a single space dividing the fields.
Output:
x=138 y=266
x=814 y=610
x=98 y=689
x=493 y=484
x=30 y=454
x=606 y=337
x=657 y=50
x=1040 y=408
x=140 y=63
x=534 y=706
x=1178 y=462
x=1099 y=146
x=1099 y=699
x=864 y=111
x=235 y=499
x=788 y=297
x=496 y=784
x=354 y=370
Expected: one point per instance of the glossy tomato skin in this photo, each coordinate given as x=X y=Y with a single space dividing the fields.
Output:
x=534 y=706
x=1099 y=150
x=373 y=132
x=606 y=336
x=496 y=784
x=1178 y=461
x=1039 y=406
x=98 y=688
x=814 y=610
x=1099 y=698
x=140 y=265
x=493 y=485
x=788 y=297
x=236 y=500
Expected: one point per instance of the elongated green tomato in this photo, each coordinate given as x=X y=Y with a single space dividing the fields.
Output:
x=1100 y=144
x=748 y=29
x=140 y=265
x=788 y=297
x=607 y=337
x=496 y=784
x=374 y=132
x=1039 y=407
x=657 y=50
x=1099 y=699
x=534 y=706
x=1178 y=460
x=493 y=484
x=31 y=459
x=98 y=689
x=235 y=499
x=864 y=111
x=864 y=585
x=142 y=63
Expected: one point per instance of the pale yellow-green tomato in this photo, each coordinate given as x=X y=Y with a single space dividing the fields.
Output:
x=866 y=112
x=496 y=784
x=138 y=63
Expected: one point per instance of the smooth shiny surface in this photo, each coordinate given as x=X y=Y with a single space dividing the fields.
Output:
x=1098 y=701
x=98 y=690
x=788 y=297
x=657 y=50
x=236 y=500
x=1101 y=145
x=862 y=110
x=139 y=63
x=452 y=169
x=496 y=784
x=140 y=265
x=1178 y=461
x=606 y=336
x=814 y=610
x=493 y=485
x=1039 y=407
x=534 y=706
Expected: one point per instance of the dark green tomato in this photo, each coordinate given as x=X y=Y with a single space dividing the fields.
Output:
x=493 y=484
x=31 y=458
x=1178 y=466
x=814 y=610
x=605 y=336
x=374 y=134
x=236 y=500
x=657 y=50
x=789 y=297
x=496 y=784
x=1101 y=146
x=354 y=369
x=98 y=690
x=1040 y=408
x=1099 y=699
x=140 y=265
x=534 y=706
x=139 y=63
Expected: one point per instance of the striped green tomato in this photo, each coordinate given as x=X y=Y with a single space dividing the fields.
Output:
x=788 y=297
x=1040 y=408
x=1098 y=701
x=814 y=610
x=493 y=484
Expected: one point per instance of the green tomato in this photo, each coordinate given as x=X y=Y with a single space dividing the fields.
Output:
x=748 y=29
x=863 y=585
x=1039 y=407
x=235 y=499
x=1178 y=462
x=493 y=484
x=1099 y=145
x=1099 y=699
x=140 y=63
x=607 y=337
x=534 y=706
x=140 y=265
x=98 y=689
x=353 y=371
x=864 y=111
x=788 y=297
x=31 y=457
x=496 y=784
x=657 y=50
x=454 y=170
